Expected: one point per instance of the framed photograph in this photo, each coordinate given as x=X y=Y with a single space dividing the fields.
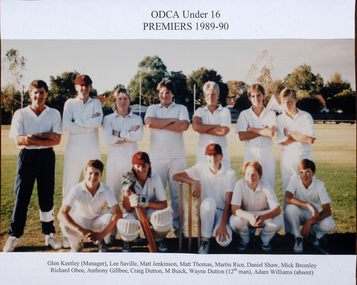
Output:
x=118 y=43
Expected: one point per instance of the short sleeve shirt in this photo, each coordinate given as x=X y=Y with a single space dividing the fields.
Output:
x=263 y=198
x=165 y=143
x=213 y=186
x=315 y=194
x=302 y=123
x=248 y=118
x=221 y=116
x=153 y=189
x=87 y=206
x=26 y=122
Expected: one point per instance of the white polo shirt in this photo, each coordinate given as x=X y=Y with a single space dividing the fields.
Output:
x=26 y=122
x=87 y=206
x=153 y=189
x=116 y=122
x=302 y=123
x=221 y=116
x=164 y=143
x=213 y=186
x=315 y=194
x=263 y=198
x=83 y=140
x=248 y=118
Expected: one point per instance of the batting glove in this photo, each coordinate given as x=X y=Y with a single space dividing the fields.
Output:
x=128 y=180
x=138 y=201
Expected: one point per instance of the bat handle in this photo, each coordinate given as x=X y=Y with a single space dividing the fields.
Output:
x=180 y=217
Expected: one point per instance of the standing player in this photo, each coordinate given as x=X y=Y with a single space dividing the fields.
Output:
x=36 y=129
x=148 y=192
x=216 y=191
x=90 y=219
x=296 y=134
x=303 y=197
x=212 y=122
x=82 y=116
x=167 y=122
x=256 y=127
x=254 y=205
x=121 y=131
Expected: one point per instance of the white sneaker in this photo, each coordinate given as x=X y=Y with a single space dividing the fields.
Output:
x=11 y=244
x=102 y=246
x=65 y=242
x=204 y=248
x=298 y=246
x=78 y=248
x=53 y=242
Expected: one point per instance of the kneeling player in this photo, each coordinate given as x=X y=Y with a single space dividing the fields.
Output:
x=303 y=197
x=254 y=205
x=89 y=218
x=217 y=188
x=148 y=192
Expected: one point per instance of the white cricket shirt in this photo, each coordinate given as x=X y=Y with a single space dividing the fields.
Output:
x=116 y=122
x=164 y=143
x=213 y=186
x=26 y=122
x=221 y=116
x=248 y=118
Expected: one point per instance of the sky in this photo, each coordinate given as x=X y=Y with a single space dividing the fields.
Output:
x=112 y=62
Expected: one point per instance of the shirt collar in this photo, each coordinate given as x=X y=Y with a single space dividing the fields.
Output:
x=129 y=115
x=85 y=189
x=218 y=108
x=312 y=185
x=28 y=108
x=171 y=105
x=259 y=187
x=78 y=99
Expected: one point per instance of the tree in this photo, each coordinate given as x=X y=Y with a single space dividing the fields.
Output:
x=11 y=69
x=62 y=88
x=236 y=88
x=344 y=101
x=182 y=95
x=303 y=79
x=199 y=78
x=152 y=71
x=335 y=85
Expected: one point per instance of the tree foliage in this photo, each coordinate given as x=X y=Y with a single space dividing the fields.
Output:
x=303 y=79
x=236 y=88
x=344 y=101
x=309 y=104
x=152 y=71
x=62 y=88
x=199 y=78
x=11 y=72
x=182 y=95
x=335 y=85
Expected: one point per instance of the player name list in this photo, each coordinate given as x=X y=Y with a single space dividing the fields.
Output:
x=189 y=267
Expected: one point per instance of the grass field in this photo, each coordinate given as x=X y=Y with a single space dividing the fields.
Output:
x=334 y=153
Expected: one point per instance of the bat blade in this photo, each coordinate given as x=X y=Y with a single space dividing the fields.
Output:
x=146 y=228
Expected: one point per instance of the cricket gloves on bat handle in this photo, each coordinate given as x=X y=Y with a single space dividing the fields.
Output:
x=138 y=200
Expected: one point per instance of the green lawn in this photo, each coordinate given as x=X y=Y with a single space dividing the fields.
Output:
x=334 y=153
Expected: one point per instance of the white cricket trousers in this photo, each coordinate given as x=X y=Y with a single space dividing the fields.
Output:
x=166 y=168
x=117 y=166
x=242 y=226
x=296 y=217
x=96 y=225
x=210 y=219
x=265 y=156
x=289 y=163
